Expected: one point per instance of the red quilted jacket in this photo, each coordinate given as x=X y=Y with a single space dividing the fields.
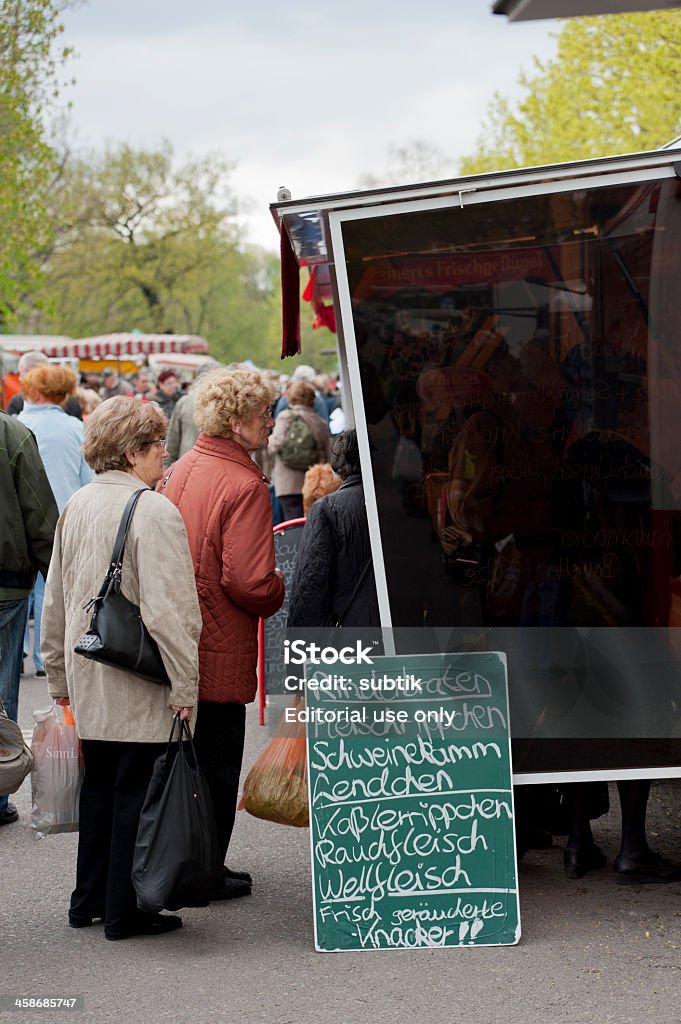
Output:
x=223 y=498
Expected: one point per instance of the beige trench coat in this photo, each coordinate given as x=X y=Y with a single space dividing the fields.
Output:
x=108 y=703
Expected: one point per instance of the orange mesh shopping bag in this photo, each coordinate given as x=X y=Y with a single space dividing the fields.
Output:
x=276 y=786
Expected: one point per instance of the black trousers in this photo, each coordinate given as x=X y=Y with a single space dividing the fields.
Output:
x=291 y=506
x=114 y=787
x=219 y=741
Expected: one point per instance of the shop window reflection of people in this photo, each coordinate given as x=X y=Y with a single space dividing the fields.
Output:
x=502 y=471
x=627 y=533
x=536 y=551
x=504 y=493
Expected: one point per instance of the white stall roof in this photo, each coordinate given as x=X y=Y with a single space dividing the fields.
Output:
x=535 y=10
x=31 y=342
x=305 y=219
x=180 y=361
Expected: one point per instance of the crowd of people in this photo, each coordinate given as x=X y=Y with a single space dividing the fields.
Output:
x=199 y=563
x=200 y=566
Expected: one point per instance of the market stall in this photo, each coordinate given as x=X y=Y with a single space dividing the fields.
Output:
x=510 y=342
x=126 y=352
x=12 y=347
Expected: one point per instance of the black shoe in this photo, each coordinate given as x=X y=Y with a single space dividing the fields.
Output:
x=642 y=872
x=243 y=876
x=578 y=861
x=79 y=920
x=144 y=924
x=231 y=889
x=41 y=673
x=9 y=815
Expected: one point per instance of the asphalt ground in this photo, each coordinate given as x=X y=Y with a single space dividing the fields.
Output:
x=592 y=952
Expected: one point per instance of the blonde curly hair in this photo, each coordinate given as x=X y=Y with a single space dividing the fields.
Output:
x=319 y=480
x=226 y=393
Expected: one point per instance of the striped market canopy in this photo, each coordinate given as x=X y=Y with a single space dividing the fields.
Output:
x=108 y=346
x=9 y=362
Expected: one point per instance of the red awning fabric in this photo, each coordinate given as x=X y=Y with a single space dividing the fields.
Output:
x=317 y=289
x=290 y=298
x=108 y=346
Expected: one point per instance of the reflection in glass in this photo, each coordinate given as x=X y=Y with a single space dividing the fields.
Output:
x=526 y=350
x=521 y=372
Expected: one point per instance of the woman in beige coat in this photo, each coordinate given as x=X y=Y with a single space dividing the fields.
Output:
x=123 y=721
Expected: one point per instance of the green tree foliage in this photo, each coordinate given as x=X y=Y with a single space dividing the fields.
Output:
x=613 y=87
x=146 y=244
x=31 y=63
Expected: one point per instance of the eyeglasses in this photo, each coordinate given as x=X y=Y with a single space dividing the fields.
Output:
x=160 y=442
x=266 y=416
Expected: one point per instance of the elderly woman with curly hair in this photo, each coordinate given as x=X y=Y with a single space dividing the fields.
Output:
x=123 y=720
x=224 y=500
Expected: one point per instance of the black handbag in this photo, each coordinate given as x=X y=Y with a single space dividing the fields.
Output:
x=177 y=860
x=117 y=636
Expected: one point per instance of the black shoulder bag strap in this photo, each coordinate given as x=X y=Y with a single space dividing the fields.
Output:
x=355 y=592
x=167 y=477
x=112 y=580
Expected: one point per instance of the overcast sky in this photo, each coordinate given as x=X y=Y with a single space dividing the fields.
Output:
x=309 y=95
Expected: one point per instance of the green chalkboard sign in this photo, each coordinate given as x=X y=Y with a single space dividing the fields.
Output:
x=411 y=803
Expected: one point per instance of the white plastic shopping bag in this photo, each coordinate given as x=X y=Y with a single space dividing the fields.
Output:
x=57 y=774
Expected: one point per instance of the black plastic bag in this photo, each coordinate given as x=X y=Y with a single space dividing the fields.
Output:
x=177 y=861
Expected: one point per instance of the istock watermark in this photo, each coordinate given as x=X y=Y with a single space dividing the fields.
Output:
x=298 y=652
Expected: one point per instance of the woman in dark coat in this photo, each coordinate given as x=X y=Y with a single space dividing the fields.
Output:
x=335 y=551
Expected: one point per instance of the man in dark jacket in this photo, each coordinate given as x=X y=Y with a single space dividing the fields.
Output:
x=113 y=385
x=334 y=576
x=28 y=516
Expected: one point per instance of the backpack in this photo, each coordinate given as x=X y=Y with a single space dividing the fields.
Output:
x=299 y=450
